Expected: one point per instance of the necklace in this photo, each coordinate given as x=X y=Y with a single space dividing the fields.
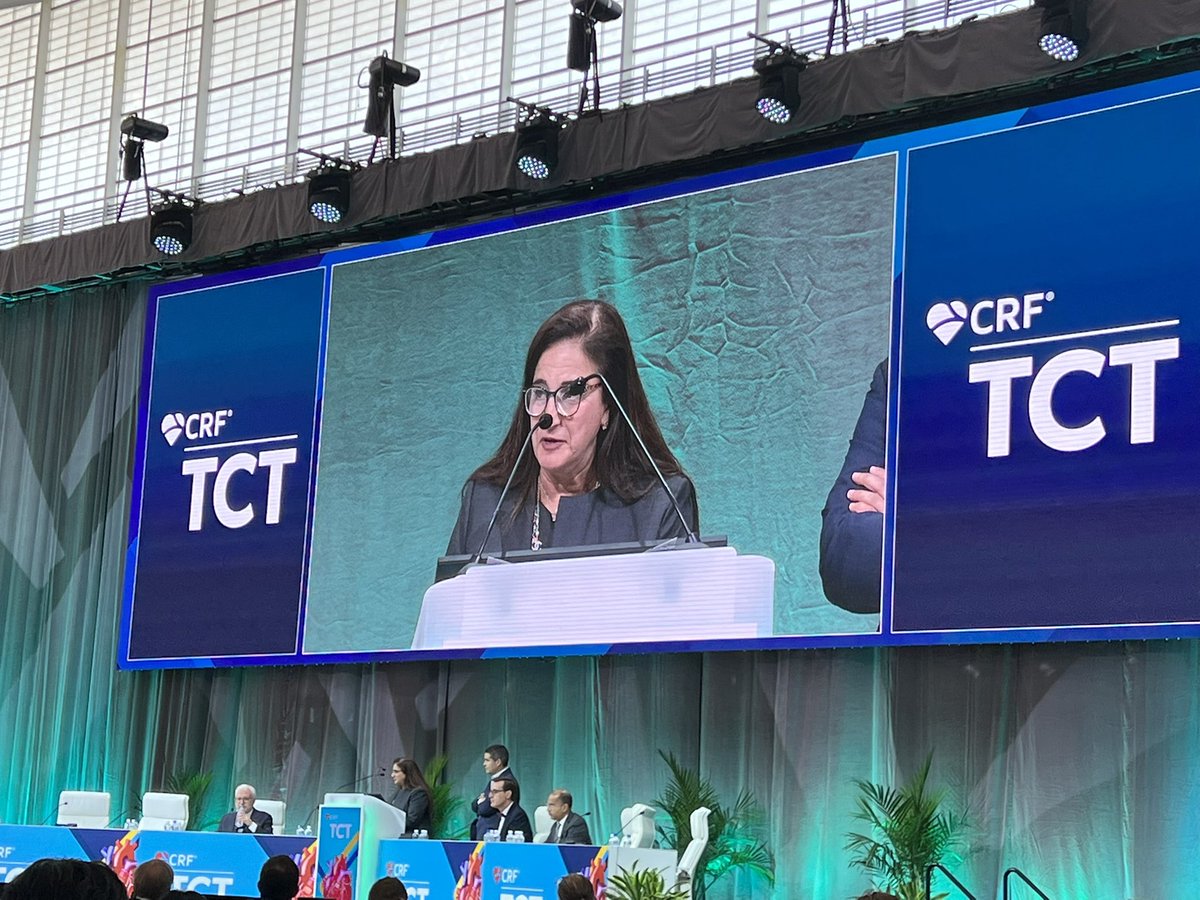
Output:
x=535 y=542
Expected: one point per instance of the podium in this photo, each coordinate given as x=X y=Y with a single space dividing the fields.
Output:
x=351 y=827
x=701 y=593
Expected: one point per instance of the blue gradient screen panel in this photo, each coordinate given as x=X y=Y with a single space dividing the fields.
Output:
x=1048 y=389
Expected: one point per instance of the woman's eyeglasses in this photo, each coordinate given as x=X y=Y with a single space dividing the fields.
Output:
x=566 y=399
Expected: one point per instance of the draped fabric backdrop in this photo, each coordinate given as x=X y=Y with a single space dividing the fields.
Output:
x=1079 y=763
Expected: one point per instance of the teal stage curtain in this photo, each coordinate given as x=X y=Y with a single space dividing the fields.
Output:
x=1079 y=763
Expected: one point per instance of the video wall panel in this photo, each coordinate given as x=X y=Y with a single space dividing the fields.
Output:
x=1021 y=282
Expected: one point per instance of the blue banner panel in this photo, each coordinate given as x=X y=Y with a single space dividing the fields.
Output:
x=217 y=555
x=217 y=864
x=1049 y=385
x=337 y=852
x=522 y=871
x=212 y=864
x=21 y=845
x=429 y=869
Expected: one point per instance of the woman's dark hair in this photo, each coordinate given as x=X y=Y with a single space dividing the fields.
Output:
x=620 y=465
x=53 y=879
x=412 y=776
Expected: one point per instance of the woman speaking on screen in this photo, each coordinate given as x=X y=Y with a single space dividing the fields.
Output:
x=587 y=479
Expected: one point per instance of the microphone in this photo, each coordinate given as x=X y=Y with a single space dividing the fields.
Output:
x=545 y=420
x=357 y=781
x=692 y=538
x=624 y=825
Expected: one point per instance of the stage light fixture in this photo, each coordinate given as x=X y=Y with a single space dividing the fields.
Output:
x=171 y=227
x=133 y=152
x=385 y=76
x=1064 y=30
x=582 y=51
x=143 y=129
x=779 y=84
x=329 y=193
x=537 y=145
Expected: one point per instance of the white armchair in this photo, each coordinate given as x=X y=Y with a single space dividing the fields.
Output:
x=277 y=810
x=158 y=810
x=637 y=824
x=690 y=858
x=542 y=823
x=84 y=809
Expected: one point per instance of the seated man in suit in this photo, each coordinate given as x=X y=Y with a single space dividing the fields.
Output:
x=568 y=827
x=512 y=817
x=245 y=819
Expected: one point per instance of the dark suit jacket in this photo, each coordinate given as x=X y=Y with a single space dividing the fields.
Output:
x=597 y=517
x=852 y=543
x=261 y=819
x=415 y=804
x=486 y=817
x=516 y=820
x=572 y=830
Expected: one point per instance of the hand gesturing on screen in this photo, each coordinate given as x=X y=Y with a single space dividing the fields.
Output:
x=872 y=495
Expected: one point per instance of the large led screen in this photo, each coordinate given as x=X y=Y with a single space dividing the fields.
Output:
x=988 y=321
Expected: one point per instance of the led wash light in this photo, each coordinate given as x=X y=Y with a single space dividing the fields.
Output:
x=1064 y=30
x=329 y=194
x=171 y=228
x=537 y=145
x=779 y=83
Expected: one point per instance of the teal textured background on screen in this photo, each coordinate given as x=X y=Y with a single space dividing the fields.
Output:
x=758 y=313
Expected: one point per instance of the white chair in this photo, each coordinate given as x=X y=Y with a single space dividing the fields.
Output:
x=690 y=858
x=277 y=810
x=84 y=809
x=637 y=825
x=542 y=823
x=159 y=810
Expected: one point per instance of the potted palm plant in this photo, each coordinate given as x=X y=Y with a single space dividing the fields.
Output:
x=733 y=831
x=447 y=808
x=908 y=830
x=640 y=884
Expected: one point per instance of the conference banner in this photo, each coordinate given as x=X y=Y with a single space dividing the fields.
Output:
x=936 y=387
x=429 y=869
x=209 y=863
x=1049 y=392
x=338 y=849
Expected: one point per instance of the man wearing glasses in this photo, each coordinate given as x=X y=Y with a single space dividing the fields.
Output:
x=512 y=817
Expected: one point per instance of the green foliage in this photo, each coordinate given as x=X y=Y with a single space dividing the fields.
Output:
x=195 y=784
x=733 y=832
x=641 y=884
x=909 y=831
x=448 y=823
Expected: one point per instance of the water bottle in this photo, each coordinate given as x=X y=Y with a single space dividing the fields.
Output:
x=299 y=831
x=516 y=837
x=308 y=831
x=423 y=834
x=626 y=840
x=613 y=841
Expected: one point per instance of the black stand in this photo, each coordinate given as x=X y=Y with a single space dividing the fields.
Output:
x=833 y=26
x=594 y=68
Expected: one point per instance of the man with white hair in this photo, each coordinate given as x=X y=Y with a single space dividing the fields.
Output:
x=245 y=819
